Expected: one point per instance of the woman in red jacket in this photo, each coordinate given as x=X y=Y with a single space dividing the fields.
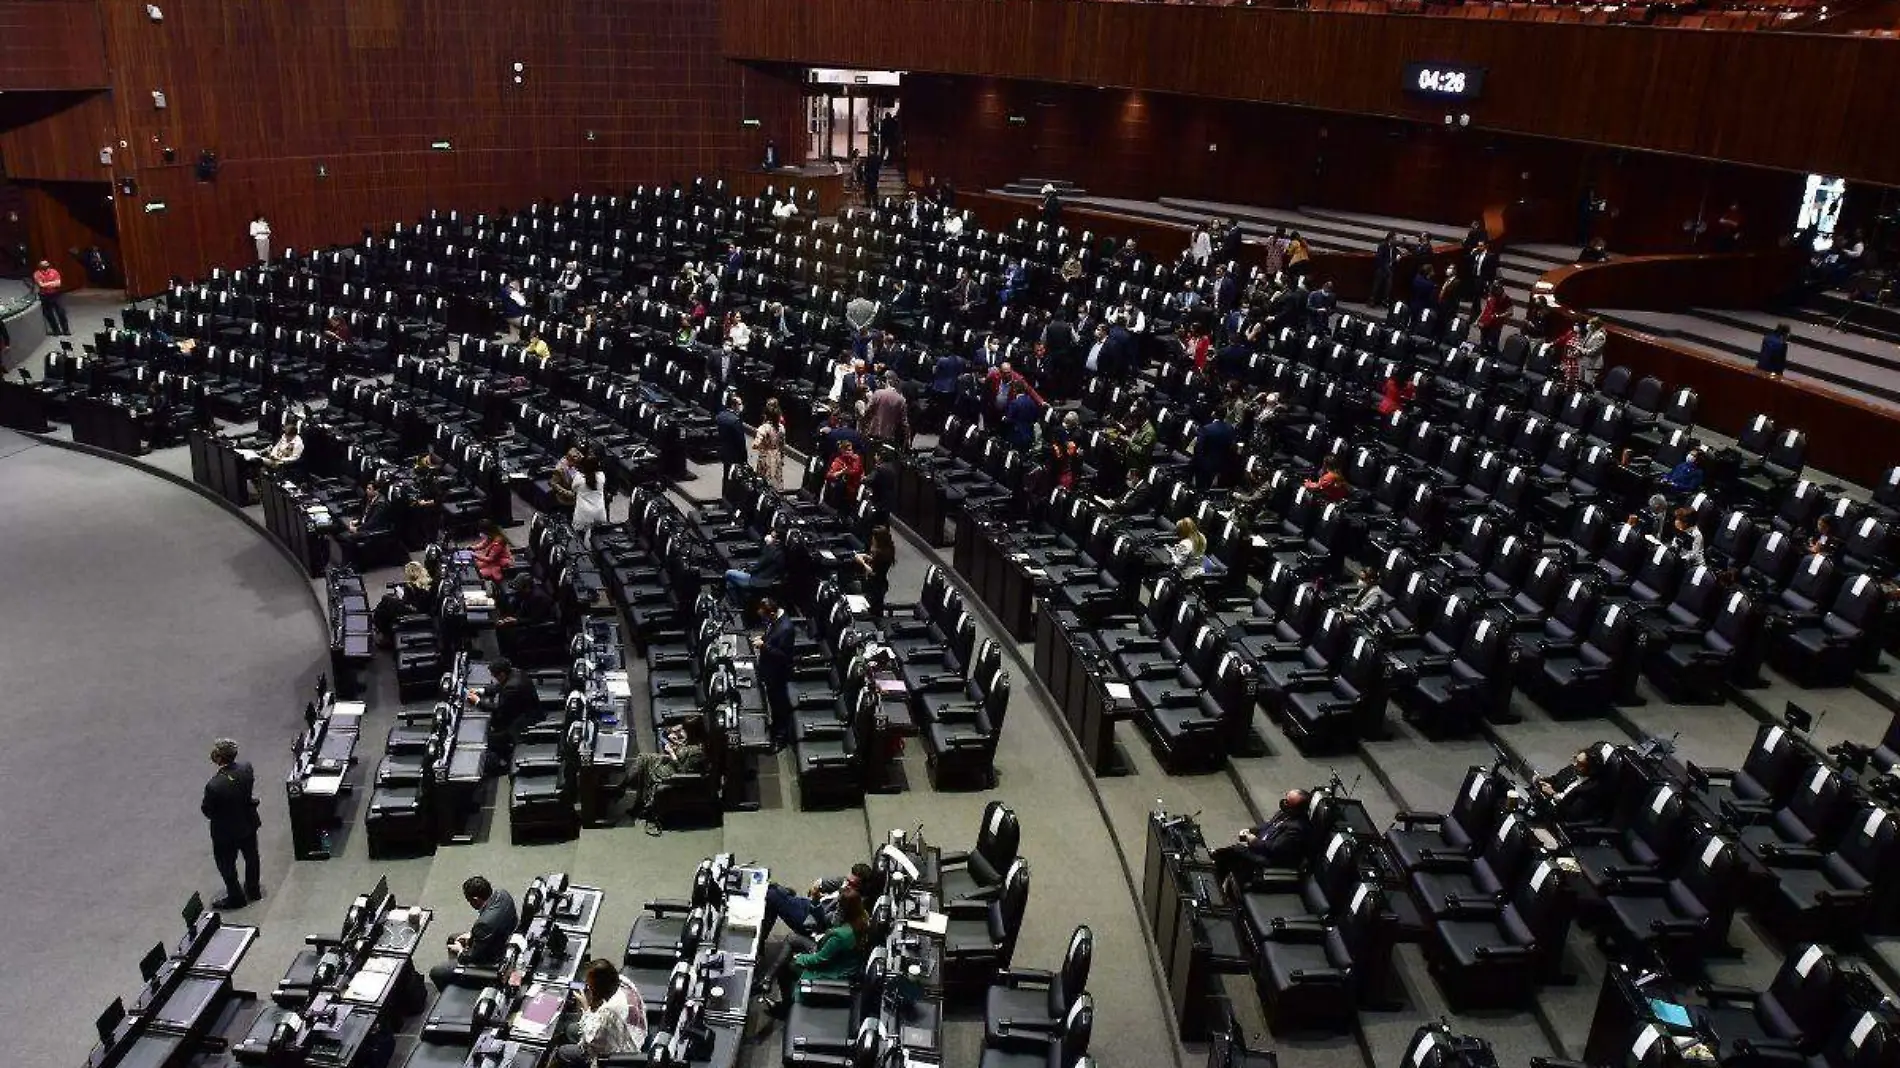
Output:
x=1492 y=317
x=1330 y=485
x=493 y=555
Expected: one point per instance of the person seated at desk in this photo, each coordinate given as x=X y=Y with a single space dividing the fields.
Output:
x=1189 y=553
x=286 y=450
x=371 y=521
x=1330 y=486
x=526 y=604
x=1687 y=538
x=511 y=703
x=1580 y=794
x=681 y=750
x=1687 y=476
x=537 y=349
x=611 y=1020
x=1366 y=597
x=1281 y=842
x=1822 y=544
x=428 y=479
x=839 y=954
x=1137 y=499
x=816 y=909
x=482 y=945
x=414 y=596
x=767 y=570
x=493 y=554
x=337 y=330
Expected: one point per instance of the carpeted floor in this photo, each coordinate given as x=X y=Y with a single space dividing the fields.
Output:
x=142 y=621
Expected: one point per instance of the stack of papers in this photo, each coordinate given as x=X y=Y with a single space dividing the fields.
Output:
x=617 y=685
x=1119 y=691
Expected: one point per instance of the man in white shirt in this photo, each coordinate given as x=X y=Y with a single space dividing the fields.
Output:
x=953 y=225
x=260 y=236
x=287 y=449
x=565 y=286
x=609 y=1021
x=784 y=209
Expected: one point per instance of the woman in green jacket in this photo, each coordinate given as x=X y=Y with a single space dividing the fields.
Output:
x=839 y=956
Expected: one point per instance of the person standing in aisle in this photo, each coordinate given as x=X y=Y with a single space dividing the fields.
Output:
x=260 y=237
x=230 y=804
x=52 y=290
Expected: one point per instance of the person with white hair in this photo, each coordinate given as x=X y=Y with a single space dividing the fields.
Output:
x=230 y=805
x=1051 y=207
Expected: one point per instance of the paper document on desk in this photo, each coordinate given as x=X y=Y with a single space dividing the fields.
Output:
x=616 y=683
x=538 y=1013
x=348 y=708
x=477 y=600
x=1119 y=691
x=323 y=785
x=858 y=605
x=372 y=979
x=935 y=923
x=249 y=454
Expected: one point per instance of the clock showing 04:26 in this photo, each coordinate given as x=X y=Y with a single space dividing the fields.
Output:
x=1444 y=81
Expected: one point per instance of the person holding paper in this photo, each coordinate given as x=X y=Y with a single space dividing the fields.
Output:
x=610 y=1020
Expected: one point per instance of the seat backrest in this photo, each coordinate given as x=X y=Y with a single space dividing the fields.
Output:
x=1014 y=902
x=998 y=839
x=1478 y=804
x=1077 y=1028
x=1073 y=979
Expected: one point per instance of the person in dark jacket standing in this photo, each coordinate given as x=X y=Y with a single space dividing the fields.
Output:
x=732 y=434
x=777 y=651
x=230 y=804
x=1773 y=360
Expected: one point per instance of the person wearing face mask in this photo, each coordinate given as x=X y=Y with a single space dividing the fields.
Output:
x=766 y=570
x=1281 y=842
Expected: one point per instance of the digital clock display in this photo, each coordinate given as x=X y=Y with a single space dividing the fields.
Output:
x=1444 y=80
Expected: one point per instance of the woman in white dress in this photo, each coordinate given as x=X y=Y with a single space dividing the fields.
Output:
x=590 y=496
x=768 y=446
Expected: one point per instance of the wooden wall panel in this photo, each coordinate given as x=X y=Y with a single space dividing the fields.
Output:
x=361 y=88
x=57 y=136
x=1769 y=99
x=1132 y=143
x=51 y=44
x=65 y=218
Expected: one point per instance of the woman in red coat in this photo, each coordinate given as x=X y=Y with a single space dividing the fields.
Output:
x=493 y=555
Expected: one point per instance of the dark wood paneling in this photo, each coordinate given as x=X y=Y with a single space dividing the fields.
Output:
x=1675 y=283
x=1846 y=437
x=361 y=88
x=1130 y=143
x=1771 y=99
x=51 y=44
x=56 y=137
x=829 y=188
x=65 y=218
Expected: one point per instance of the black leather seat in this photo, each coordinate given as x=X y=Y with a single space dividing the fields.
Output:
x=979 y=874
x=1475 y=812
x=1065 y=1047
x=1681 y=917
x=1028 y=1001
x=980 y=937
x=1496 y=954
x=1790 y=1018
x=1310 y=975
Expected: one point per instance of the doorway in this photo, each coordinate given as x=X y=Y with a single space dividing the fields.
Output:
x=843 y=109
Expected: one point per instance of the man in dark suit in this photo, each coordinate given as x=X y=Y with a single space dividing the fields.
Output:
x=372 y=520
x=1230 y=241
x=1213 y=444
x=1139 y=498
x=1281 y=842
x=1484 y=271
x=767 y=569
x=777 y=652
x=231 y=807
x=732 y=435
x=511 y=704
x=483 y=944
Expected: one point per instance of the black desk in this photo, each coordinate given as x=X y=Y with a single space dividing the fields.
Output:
x=106 y=424
x=23 y=407
x=1624 y=1023
x=1091 y=698
x=315 y=787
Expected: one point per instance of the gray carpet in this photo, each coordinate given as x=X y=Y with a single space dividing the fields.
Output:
x=207 y=630
x=142 y=621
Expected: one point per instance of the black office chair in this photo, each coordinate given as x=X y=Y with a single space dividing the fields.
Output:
x=1027 y=1000
x=1065 y=1046
x=980 y=938
x=979 y=874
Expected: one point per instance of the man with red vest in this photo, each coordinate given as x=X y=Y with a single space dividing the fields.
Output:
x=49 y=285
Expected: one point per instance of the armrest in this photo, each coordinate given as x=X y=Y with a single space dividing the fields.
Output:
x=967 y=910
x=1559 y=648
x=1745 y=813
x=1412 y=820
x=945 y=860
x=1505 y=952
x=1676 y=927
x=1303 y=930
x=1642 y=885
x=1728 y=992
x=835 y=992
x=1472 y=908
x=1777 y=855
x=665 y=906
x=1021 y=977
x=821 y=732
